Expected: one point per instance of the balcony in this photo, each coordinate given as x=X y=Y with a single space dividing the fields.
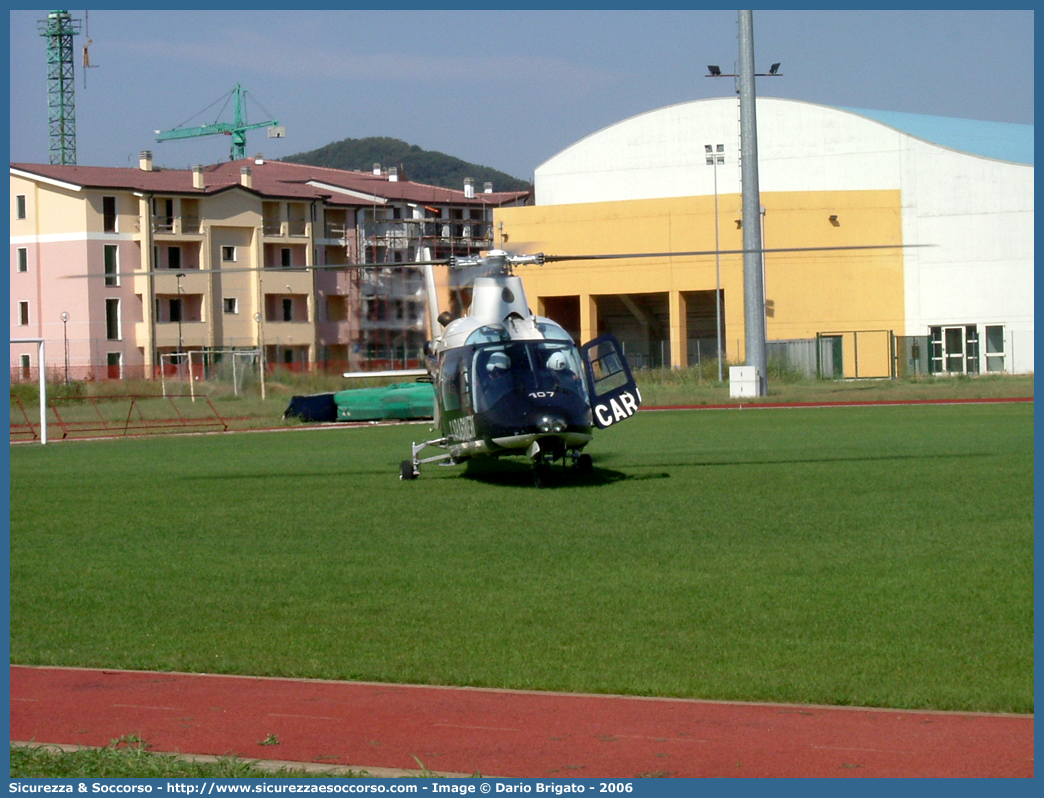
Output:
x=175 y=226
x=273 y=227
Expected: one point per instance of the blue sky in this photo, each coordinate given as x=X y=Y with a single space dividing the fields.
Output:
x=506 y=89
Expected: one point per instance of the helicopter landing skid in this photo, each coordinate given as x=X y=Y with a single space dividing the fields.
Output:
x=572 y=458
x=410 y=469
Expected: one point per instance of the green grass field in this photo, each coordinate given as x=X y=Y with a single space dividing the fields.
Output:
x=868 y=556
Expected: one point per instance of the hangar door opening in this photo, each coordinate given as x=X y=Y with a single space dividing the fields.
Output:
x=642 y=323
x=566 y=311
x=700 y=315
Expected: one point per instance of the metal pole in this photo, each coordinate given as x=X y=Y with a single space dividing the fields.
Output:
x=65 y=336
x=43 y=394
x=181 y=315
x=713 y=160
x=261 y=351
x=753 y=285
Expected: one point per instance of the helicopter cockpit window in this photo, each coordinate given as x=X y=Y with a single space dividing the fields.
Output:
x=495 y=375
x=451 y=379
x=542 y=367
x=487 y=334
x=553 y=332
x=607 y=369
x=563 y=362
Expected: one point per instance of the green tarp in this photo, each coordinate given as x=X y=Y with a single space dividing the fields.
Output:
x=401 y=400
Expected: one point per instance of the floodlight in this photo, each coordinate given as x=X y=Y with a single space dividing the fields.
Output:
x=715 y=71
x=774 y=68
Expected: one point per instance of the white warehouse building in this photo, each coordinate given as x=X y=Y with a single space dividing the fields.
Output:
x=952 y=197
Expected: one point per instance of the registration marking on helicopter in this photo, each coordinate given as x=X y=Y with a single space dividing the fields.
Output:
x=626 y=407
x=463 y=428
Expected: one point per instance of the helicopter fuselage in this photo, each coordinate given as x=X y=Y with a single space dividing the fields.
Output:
x=508 y=382
x=501 y=396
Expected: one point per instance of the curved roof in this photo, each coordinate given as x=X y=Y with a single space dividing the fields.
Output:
x=1002 y=141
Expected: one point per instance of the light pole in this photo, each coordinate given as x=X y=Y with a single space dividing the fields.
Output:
x=715 y=156
x=261 y=351
x=753 y=284
x=65 y=336
x=181 y=313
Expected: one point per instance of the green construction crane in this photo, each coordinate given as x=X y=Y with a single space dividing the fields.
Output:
x=236 y=129
x=59 y=29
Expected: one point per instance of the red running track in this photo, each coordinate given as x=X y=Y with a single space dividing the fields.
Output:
x=507 y=733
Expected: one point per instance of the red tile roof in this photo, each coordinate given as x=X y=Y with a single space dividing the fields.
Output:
x=269 y=179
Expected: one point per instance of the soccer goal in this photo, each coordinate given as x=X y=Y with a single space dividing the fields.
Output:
x=41 y=376
x=241 y=368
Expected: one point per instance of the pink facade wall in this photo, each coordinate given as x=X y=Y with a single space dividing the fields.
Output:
x=54 y=283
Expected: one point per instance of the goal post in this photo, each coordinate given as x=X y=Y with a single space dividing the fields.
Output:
x=42 y=377
x=240 y=367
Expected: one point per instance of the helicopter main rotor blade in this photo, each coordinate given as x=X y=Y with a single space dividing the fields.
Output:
x=481 y=268
x=271 y=270
x=707 y=252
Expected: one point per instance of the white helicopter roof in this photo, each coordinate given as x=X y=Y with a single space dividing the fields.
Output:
x=499 y=313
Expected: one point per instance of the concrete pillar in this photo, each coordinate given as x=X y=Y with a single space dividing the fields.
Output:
x=588 y=318
x=679 y=330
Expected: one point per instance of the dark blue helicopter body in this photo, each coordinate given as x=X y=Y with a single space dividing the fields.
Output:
x=511 y=383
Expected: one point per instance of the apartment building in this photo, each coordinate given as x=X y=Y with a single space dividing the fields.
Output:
x=121 y=270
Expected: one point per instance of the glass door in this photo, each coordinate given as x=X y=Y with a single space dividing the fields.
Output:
x=953 y=349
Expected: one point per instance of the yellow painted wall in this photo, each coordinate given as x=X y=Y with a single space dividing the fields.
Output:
x=51 y=210
x=808 y=292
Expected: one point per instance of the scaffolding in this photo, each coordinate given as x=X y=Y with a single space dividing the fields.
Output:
x=392 y=300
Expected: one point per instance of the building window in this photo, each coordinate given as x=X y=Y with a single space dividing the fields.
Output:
x=112 y=273
x=175 y=310
x=23 y=259
x=287 y=258
x=228 y=254
x=173 y=257
x=20 y=206
x=23 y=314
x=112 y=319
x=994 y=348
x=27 y=367
x=109 y=214
x=288 y=309
x=231 y=304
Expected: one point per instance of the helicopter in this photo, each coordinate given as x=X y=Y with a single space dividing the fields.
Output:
x=509 y=382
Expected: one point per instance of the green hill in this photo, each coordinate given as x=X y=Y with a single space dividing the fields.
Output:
x=421 y=166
